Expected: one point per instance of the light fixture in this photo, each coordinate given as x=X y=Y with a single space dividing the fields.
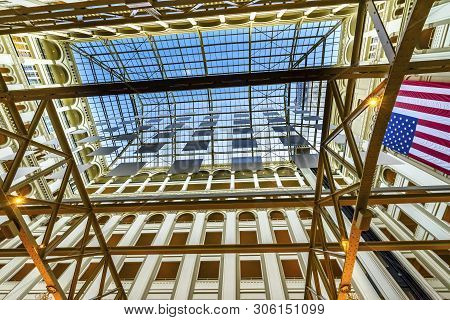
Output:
x=344 y=245
x=19 y=200
x=373 y=102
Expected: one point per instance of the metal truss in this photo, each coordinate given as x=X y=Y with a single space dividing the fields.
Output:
x=84 y=20
x=39 y=252
x=334 y=249
x=225 y=81
x=321 y=276
x=327 y=200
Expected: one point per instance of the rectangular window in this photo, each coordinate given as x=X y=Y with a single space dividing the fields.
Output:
x=407 y=221
x=291 y=269
x=213 y=238
x=420 y=268
x=23 y=272
x=209 y=270
x=337 y=271
x=59 y=269
x=168 y=270
x=251 y=269
x=248 y=237
x=145 y=239
x=129 y=270
x=179 y=239
x=282 y=236
x=115 y=239
x=89 y=271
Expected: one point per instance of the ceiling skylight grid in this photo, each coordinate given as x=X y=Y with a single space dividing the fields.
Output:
x=212 y=124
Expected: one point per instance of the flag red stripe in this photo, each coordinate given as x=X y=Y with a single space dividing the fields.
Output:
x=434 y=125
x=445 y=85
x=432 y=152
x=431 y=164
x=424 y=95
x=431 y=138
x=428 y=110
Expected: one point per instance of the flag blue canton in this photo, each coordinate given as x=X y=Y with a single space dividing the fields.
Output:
x=400 y=133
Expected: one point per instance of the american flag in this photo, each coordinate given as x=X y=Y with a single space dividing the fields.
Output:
x=420 y=123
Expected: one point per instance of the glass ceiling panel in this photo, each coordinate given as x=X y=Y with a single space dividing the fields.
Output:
x=236 y=122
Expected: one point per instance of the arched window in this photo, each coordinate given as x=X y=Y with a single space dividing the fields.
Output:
x=215 y=217
x=186 y=217
x=276 y=215
x=246 y=216
x=285 y=172
x=305 y=214
x=129 y=219
x=222 y=175
x=389 y=176
x=156 y=218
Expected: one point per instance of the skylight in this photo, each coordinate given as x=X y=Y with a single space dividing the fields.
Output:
x=215 y=125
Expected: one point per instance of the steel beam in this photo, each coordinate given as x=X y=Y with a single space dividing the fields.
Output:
x=381 y=31
x=223 y=81
x=216 y=204
x=333 y=247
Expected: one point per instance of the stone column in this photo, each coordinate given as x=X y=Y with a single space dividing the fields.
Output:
x=123 y=186
x=144 y=184
x=186 y=183
x=272 y=268
x=255 y=180
x=232 y=181
x=163 y=186
x=141 y=285
x=278 y=180
x=102 y=188
x=229 y=269
x=187 y=276
x=208 y=184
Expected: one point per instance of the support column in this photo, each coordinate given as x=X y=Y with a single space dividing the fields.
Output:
x=144 y=184
x=299 y=235
x=278 y=180
x=163 y=186
x=141 y=285
x=208 y=184
x=229 y=270
x=123 y=186
x=360 y=282
x=186 y=183
x=188 y=265
x=272 y=268
x=232 y=181
x=300 y=179
x=102 y=188
x=255 y=180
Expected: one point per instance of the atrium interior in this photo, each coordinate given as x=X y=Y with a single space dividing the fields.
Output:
x=247 y=149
